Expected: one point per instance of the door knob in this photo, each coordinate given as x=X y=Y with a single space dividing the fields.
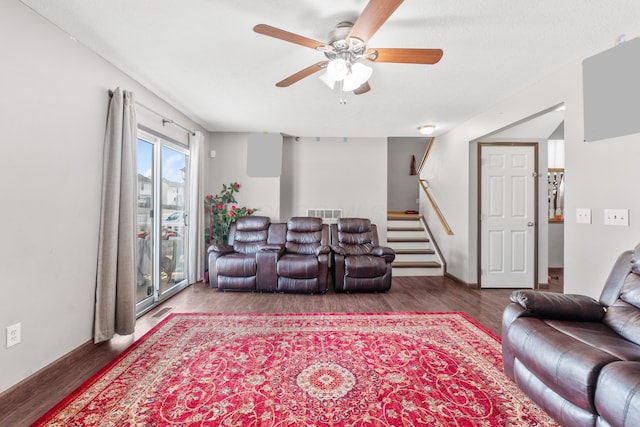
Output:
x=530 y=224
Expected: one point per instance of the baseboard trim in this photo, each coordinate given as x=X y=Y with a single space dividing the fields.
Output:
x=459 y=280
x=24 y=390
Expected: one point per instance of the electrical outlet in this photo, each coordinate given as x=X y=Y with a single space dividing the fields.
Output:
x=13 y=335
x=583 y=216
x=616 y=217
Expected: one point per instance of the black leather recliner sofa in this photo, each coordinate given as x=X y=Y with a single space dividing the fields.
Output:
x=303 y=265
x=360 y=264
x=272 y=257
x=578 y=358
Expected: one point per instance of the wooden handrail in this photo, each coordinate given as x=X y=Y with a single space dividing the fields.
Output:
x=435 y=207
x=426 y=153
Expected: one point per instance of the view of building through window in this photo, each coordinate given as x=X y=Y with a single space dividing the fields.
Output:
x=162 y=220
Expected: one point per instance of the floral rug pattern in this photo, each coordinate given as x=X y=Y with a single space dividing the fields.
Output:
x=339 y=369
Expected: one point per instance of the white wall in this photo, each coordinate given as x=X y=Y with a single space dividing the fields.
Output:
x=330 y=173
x=230 y=165
x=287 y=179
x=602 y=175
x=336 y=174
x=556 y=244
x=52 y=118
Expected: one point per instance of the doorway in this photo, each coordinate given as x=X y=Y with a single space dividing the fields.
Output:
x=547 y=129
x=507 y=203
x=162 y=239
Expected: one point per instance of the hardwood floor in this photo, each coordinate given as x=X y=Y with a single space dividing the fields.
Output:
x=27 y=401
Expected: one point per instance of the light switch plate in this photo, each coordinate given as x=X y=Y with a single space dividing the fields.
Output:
x=616 y=217
x=583 y=216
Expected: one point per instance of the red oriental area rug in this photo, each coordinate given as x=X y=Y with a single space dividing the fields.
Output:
x=340 y=369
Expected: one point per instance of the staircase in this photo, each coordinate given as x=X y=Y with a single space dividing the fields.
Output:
x=415 y=253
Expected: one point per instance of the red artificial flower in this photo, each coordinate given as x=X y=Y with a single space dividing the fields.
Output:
x=219 y=206
x=233 y=207
x=231 y=214
x=209 y=197
x=237 y=186
x=248 y=211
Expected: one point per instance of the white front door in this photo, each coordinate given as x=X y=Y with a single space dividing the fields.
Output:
x=507 y=215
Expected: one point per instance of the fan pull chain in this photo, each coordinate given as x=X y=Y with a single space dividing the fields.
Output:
x=342 y=101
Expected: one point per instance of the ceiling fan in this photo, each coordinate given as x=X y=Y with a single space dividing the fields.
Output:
x=347 y=51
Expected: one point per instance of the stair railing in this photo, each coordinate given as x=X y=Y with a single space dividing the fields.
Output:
x=435 y=207
x=434 y=244
x=423 y=184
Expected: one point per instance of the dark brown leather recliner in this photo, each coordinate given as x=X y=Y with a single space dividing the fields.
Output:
x=303 y=265
x=578 y=358
x=247 y=261
x=360 y=264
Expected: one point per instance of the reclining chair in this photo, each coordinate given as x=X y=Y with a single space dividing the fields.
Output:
x=303 y=266
x=245 y=262
x=359 y=263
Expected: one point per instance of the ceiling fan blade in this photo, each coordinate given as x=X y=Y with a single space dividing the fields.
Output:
x=302 y=74
x=363 y=89
x=404 y=56
x=373 y=16
x=277 y=33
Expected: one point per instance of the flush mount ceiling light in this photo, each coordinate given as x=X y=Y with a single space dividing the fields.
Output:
x=427 y=129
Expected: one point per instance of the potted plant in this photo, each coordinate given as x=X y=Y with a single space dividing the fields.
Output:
x=221 y=210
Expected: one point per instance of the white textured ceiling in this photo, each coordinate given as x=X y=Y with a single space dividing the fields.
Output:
x=203 y=57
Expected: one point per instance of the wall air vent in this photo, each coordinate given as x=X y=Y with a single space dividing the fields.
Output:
x=329 y=216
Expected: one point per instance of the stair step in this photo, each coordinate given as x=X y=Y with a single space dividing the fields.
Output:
x=422 y=264
x=408 y=245
x=407 y=239
x=404 y=223
x=401 y=216
x=417 y=272
x=414 y=258
x=415 y=251
x=405 y=229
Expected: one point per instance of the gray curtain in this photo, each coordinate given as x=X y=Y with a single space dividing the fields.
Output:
x=196 y=208
x=116 y=272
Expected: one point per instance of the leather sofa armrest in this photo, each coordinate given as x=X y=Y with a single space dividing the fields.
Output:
x=267 y=262
x=338 y=250
x=385 y=252
x=215 y=252
x=323 y=249
x=221 y=249
x=271 y=247
x=552 y=305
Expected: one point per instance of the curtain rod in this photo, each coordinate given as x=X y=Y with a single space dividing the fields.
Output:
x=165 y=121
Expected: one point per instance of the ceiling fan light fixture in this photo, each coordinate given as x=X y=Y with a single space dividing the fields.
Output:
x=324 y=78
x=360 y=73
x=426 y=129
x=337 y=69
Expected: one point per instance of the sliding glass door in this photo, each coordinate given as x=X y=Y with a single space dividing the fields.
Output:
x=162 y=220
